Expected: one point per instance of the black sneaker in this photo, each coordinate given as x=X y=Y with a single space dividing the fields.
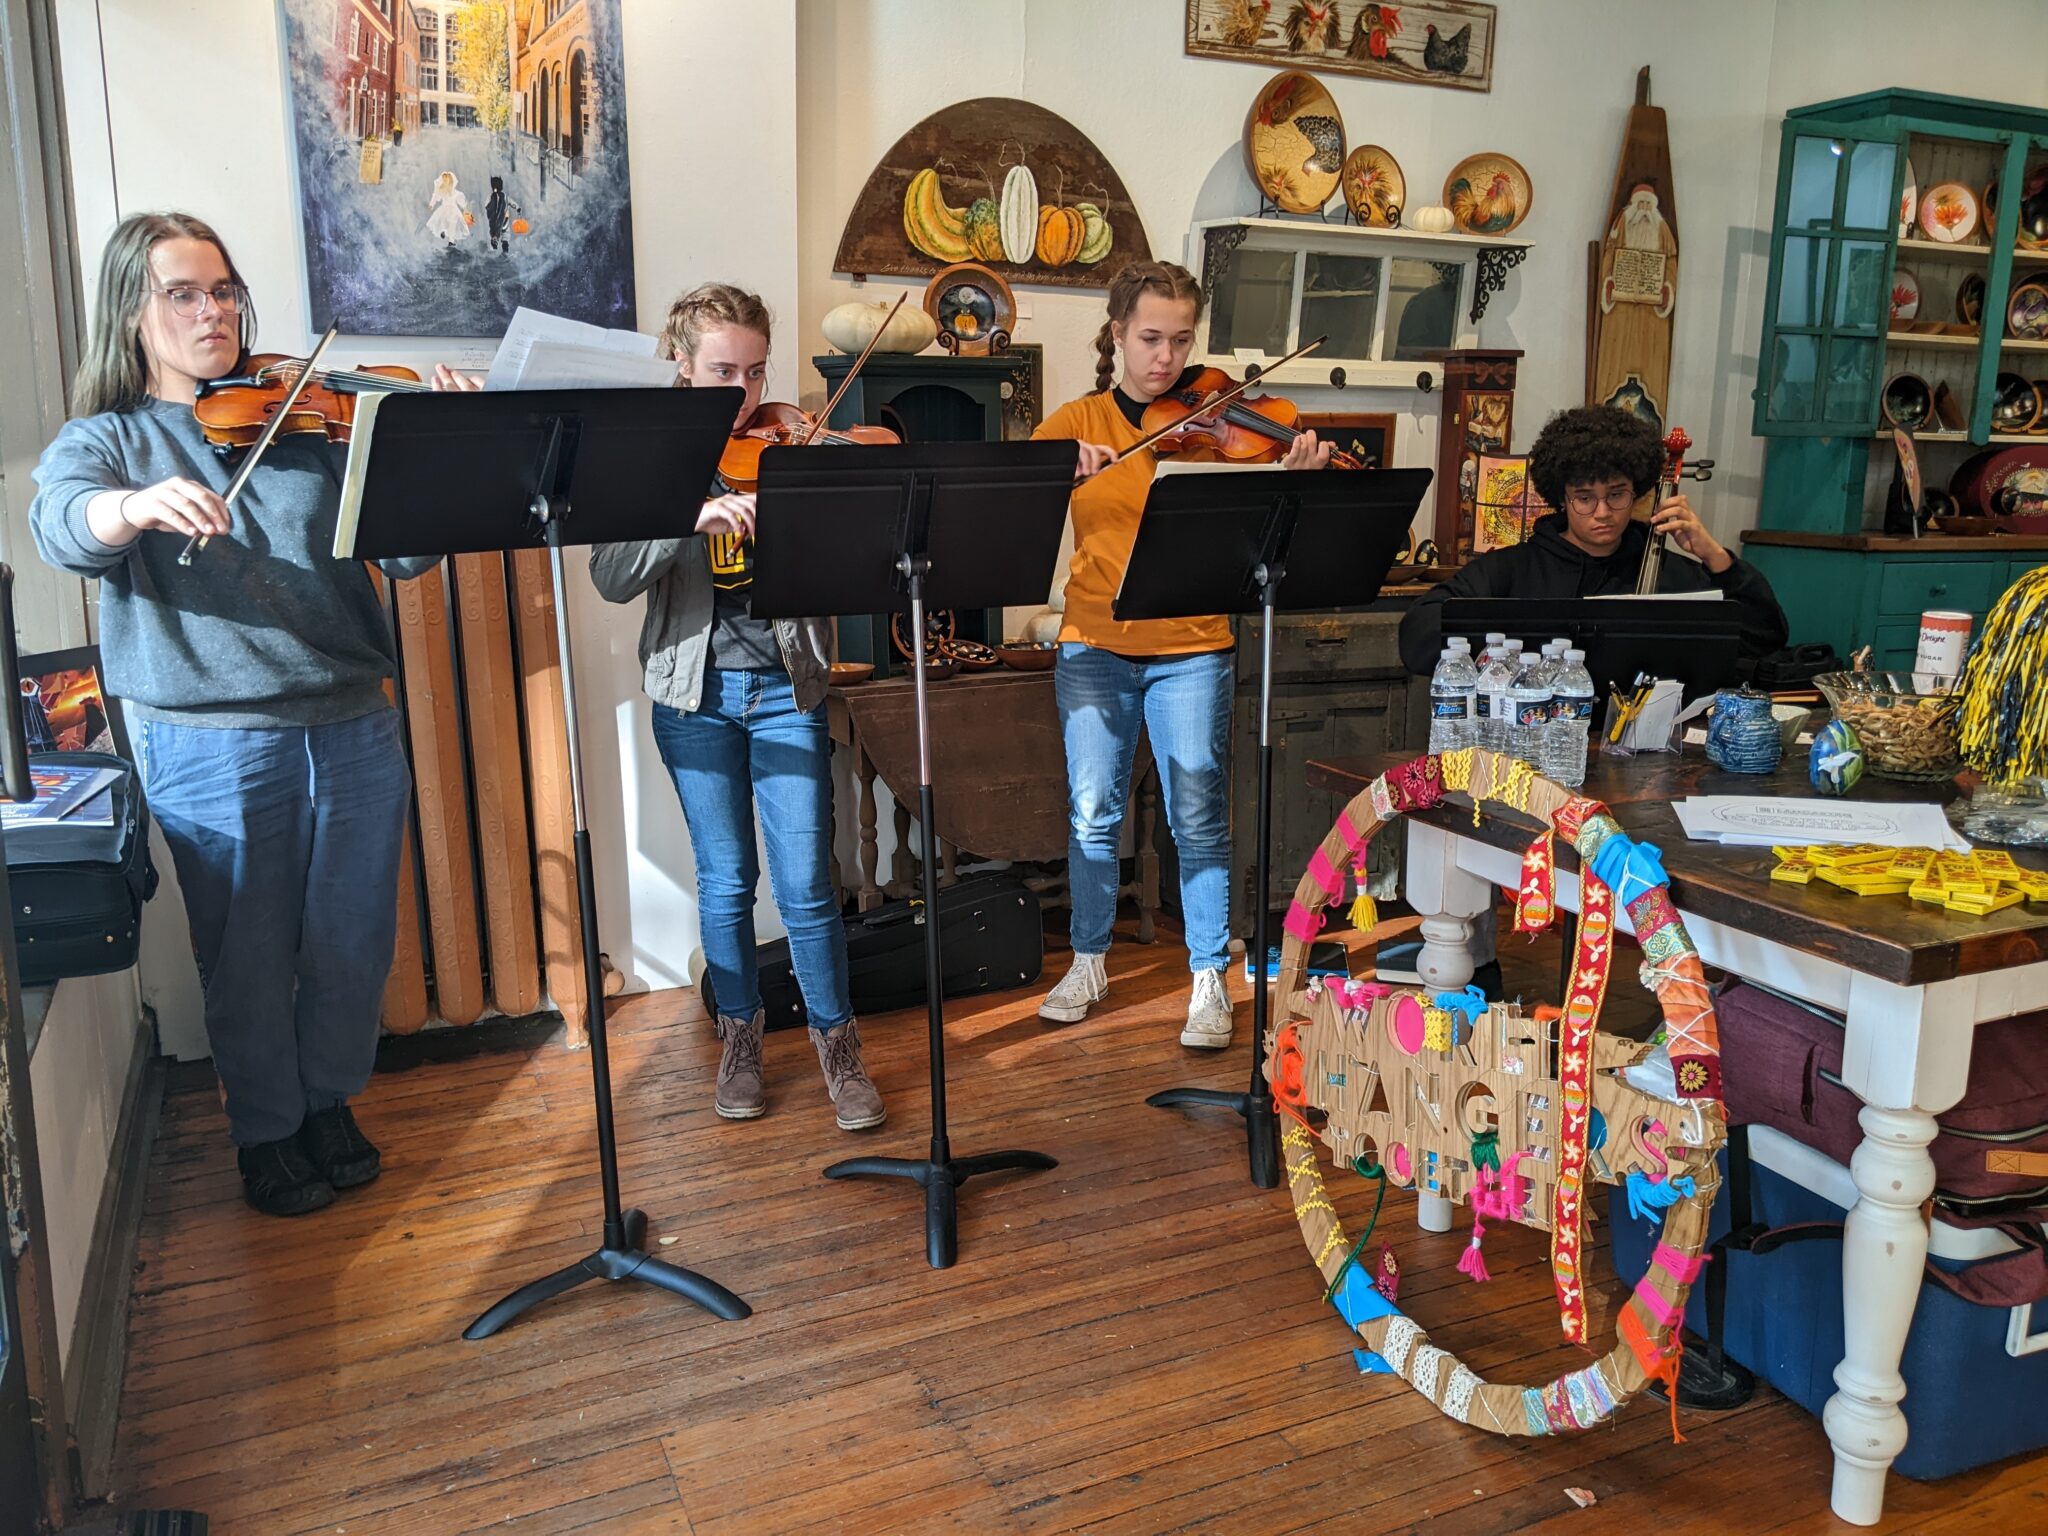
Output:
x=338 y=1148
x=278 y=1180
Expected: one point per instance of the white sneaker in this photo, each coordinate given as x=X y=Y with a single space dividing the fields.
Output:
x=1085 y=984
x=1208 y=1013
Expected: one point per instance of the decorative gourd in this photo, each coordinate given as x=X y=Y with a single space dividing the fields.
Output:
x=851 y=326
x=1096 y=235
x=1061 y=234
x=1433 y=220
x=984 y=230
x=1019 y=215
x=929 y=224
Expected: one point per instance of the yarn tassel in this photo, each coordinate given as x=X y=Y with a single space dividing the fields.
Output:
x=1473 y=1262
x=1365 y=912
x=1646 y=1196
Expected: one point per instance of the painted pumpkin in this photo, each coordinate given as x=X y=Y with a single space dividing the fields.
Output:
x=521 y=227
x=1061 y=234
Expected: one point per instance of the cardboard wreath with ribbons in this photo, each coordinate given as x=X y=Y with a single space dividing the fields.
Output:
x=1509 y=1113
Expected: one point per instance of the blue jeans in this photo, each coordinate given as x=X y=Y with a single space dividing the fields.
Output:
x=1183 y=703
x=286 y=841
x=747 y=742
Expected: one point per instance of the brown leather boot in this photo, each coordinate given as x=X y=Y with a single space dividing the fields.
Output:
x=856 y=1099
x=740 y=1093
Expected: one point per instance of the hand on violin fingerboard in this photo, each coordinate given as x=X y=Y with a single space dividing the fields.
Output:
x=1306 y=453
x=447 y=379
x=1095 y=458
x=732 y=513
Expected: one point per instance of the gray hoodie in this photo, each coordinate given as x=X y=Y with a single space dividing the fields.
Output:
x=265 y=627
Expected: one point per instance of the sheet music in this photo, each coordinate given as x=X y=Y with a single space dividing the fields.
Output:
x=557 y=365
x=532 y=327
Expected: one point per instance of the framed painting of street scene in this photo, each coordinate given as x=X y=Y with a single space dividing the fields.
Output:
x=457 y=158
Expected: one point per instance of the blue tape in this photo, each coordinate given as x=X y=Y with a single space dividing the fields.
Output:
x=1370 y=1364
x=1358 y=1300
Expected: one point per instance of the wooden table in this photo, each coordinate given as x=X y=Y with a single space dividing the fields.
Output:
x=999 y=775
x=1912 y=982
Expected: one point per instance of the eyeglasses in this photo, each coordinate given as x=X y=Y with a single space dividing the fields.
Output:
x=188 y=301
x=1618 y=498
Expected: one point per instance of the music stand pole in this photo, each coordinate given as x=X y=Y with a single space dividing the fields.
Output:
x=621 y=1256
x=940 y=1174
x=1255 y=1104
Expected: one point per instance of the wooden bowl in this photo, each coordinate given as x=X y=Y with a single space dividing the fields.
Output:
x=939 y=671
x=1029 y=656
x=1963 y=527
x=845 y=674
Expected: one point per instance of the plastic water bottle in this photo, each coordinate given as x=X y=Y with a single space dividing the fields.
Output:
x=1451 y=690
x=1494 y=641
x=1529 y=711
x=1571 y=720
x=1494 y=684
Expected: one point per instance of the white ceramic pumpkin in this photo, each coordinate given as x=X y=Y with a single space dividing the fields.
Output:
x=851 y=326
x=1433 y=220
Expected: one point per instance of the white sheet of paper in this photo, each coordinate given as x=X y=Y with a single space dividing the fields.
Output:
x=532 y=325
x=1764 y=821
x=1708 y=596
x=557 y=365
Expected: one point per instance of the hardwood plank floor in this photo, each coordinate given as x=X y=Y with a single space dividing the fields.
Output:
x=1134 y=1342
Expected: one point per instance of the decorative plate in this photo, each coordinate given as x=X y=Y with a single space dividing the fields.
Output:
x=2026 y=316
x=1294 y=143
x=1908 y=197
x=2014 y=405
x=1948 y=213
x=2032 y=225
x=939 y=628
x=1905 y=294
x=1907 y=402
x=1374 y=189
x=1970 y=299
x=972 y=307
x=1488 y=194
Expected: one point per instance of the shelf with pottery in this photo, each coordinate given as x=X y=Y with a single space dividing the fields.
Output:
x=1428 y=304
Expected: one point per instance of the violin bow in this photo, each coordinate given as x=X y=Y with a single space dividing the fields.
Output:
x=1217 y=404
x=818 y=422
x=270 y=431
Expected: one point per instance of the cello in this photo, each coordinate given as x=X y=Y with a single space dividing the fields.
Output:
x=1675 y=469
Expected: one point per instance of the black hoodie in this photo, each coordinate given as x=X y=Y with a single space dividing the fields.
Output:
x=1549 y=567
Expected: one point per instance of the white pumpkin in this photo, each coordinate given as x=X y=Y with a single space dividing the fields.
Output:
x=1019 y=216
x=1433 y=220
x=851 y=326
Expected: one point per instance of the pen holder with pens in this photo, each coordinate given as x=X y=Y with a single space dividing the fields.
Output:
x=1642 y=719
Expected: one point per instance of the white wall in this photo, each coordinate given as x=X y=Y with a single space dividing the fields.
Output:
x=713 y=152
x=76 y=1078
x=1564 y=78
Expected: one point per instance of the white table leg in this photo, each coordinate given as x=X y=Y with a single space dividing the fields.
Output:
x=1907 y=1055
x=1448 y=899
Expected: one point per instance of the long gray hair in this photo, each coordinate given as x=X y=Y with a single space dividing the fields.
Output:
x=114 y=375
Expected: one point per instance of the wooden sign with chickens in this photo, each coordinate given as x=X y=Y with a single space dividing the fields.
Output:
x=1447 y=42
x=1000 y=181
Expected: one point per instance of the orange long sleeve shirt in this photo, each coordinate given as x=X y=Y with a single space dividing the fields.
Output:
x=1106 y=509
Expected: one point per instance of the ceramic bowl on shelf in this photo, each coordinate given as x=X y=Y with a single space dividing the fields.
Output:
x=846 y=674
x=1907 y=401
x=1905 y=295
x=1949 y=213
x=2026 y=314
x=1970 y=299
x=2014 y=404
x=1029 y=655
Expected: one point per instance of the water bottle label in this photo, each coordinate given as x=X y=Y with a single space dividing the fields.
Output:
x=1448 y=706
x=1532 y=712
x=1576 y=708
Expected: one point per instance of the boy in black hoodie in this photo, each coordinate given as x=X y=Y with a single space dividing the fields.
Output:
x=1594 y=464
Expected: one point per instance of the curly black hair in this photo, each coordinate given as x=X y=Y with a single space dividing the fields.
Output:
x=1593 y=443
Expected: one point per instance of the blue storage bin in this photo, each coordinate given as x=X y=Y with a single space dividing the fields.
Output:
x=1784 y=1318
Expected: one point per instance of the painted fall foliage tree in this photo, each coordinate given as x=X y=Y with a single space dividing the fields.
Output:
x=482 y=62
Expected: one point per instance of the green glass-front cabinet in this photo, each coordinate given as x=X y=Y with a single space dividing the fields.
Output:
x=1860 y=292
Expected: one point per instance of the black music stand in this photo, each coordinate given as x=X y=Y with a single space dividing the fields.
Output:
x=460 y=474
x=1264 y=542
x=890 y=529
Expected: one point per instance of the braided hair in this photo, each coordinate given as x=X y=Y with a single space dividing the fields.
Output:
x=707 y=308
x=1139 y=277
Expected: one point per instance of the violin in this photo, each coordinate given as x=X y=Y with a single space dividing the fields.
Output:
x=1249 y=429
x=774 y=425
x=1675 y=469
x=234 y=412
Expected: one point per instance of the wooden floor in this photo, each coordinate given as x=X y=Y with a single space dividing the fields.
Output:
x=1132 y=1343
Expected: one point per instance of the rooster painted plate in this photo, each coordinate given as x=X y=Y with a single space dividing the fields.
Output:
x=1488 y=194
x=1374 y=189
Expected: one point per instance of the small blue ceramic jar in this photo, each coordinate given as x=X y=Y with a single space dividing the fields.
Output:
x=1743 y=737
